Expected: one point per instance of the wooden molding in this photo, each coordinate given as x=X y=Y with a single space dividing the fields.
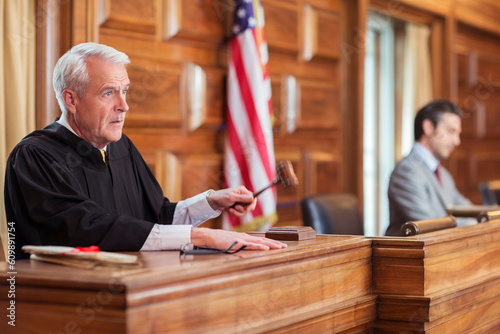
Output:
x=172 y=176
x=291 y=104
x=171 y=18
x=472 y=68
x=194 y=96
x=48 y=50
x=96 y=15
x=310 y=39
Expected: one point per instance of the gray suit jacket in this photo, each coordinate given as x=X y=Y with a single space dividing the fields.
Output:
x=415 y=194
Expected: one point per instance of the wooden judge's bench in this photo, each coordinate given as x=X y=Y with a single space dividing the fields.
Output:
x=440 y=282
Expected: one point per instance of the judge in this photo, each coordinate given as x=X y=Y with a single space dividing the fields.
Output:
x=80 y=181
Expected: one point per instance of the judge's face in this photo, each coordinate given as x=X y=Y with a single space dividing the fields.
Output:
x=445 y=136
x=98 y=116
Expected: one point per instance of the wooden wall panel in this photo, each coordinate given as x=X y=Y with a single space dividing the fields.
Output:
x=481 y=14
x=329 y=34
x=202 y=20
x=485 y=166
x=478 y=86
x=132 y=16
x=281 y=26
x=318 y=106
x=154 y=95
x=323 y=172
x=478 y=166
x=216 y=103
x=200 y=172
x=321 y=35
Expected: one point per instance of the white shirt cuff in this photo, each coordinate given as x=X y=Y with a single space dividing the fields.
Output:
x=190 y=212
x=194 y=211
x=167 y=237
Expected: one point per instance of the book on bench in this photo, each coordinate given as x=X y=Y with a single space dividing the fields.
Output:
x=81 y=257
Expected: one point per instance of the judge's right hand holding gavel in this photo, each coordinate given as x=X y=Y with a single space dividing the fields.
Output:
x=236 y=201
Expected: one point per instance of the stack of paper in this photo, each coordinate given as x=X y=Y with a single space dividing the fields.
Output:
x=82 y=257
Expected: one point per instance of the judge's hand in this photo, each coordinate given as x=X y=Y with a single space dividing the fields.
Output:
x=224 y=200
x=223 y=239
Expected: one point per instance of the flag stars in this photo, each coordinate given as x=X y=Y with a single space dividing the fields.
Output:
x=242 y=13
x=243 y=17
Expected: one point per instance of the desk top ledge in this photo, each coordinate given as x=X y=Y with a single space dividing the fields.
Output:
x=168 y=264
x=438 y=237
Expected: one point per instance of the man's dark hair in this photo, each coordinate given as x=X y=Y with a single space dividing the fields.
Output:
x=434 y=111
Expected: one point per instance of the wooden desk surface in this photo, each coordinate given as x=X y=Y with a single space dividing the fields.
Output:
x=313 y=283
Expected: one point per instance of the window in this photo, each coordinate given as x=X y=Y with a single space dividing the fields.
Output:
x=398 y=82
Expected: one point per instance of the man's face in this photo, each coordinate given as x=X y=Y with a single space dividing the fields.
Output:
x=100 y=114
x=446 y=136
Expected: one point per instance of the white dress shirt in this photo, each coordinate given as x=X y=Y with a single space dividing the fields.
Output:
x=426 y=155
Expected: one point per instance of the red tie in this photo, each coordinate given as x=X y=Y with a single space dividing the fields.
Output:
x=438 y=175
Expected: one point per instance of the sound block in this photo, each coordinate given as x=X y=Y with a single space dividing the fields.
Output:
x=291 y=233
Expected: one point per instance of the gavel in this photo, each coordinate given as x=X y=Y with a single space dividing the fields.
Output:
x=284 y=174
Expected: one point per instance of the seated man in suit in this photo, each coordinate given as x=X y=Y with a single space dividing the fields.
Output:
x=81 y=182
x=419 y=188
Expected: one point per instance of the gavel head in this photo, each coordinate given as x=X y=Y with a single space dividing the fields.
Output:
x=285 y=174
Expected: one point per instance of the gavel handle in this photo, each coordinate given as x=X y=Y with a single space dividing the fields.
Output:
x=257 y=193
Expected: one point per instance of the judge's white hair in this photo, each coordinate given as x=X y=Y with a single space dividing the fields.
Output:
x=71 y=72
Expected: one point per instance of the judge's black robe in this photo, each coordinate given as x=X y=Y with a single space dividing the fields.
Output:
x=59 y=191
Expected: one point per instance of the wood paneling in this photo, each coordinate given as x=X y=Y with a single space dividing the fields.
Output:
x=200 y=172
x=50 y=45
x=154 y=95
x=159 y=92
x=202 y=21
x=478 y=88
x=328 y=34
x=355 y=14
x=481 y=14
x=318 y=106
x=281 y=26
x=132 y=16
x=323 y=173
x=162 y=36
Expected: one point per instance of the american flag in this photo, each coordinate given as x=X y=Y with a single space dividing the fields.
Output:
x=249 y=159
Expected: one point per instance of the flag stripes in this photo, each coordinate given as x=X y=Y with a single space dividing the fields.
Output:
x=249 y=159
